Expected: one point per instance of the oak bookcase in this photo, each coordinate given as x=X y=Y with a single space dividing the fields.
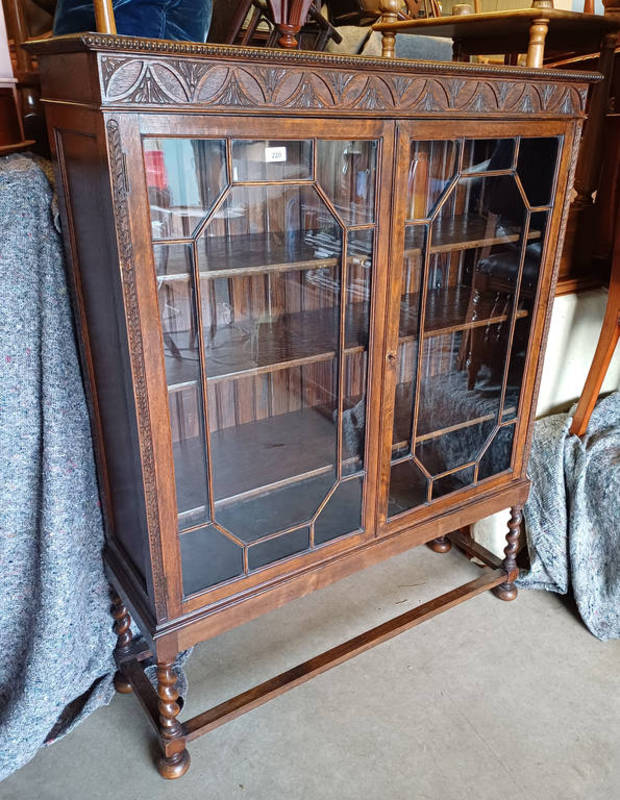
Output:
x=312 y=295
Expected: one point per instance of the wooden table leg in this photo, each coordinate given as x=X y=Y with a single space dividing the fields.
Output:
x=389 y=13
x=507 y=590
x=607 y=342
x=122 y=629
x=536 y=46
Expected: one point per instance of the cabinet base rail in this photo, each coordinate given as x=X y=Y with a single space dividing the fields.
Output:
x=492 y=576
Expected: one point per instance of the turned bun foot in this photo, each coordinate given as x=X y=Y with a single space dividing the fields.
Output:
x=121 y=684
x=174 y=767
x=440 y=545
x=506 y=591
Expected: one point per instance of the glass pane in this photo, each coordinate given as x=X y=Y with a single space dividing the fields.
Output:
x=481 y=255
x=536 y=167
x=267 y=228
x=208 y=557
x=343 y=512
x=346 y=171
x=184 y=179
x=274 y=509
x=529 y=286
x=354 y=412
x=452 y=483
x=408 y=487
x=408 y=336
x=271 y=160
x=486 y=155
x=359 y=266
x=177 y=305
x=172 y=260
x=442 y=453
x=432 y=165
x=461 y=377
x=499 y=453
x=276 y=549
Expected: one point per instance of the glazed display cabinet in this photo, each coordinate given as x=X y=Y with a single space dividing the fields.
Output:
x=312 y=295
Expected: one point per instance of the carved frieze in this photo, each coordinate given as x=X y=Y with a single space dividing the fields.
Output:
x=151 y=80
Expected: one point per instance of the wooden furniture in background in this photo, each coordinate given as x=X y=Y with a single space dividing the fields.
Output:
x=12 y=135
x=26 y=19
x=535 y=31
x=277 y=263
x=227 y=26
x=607 y=343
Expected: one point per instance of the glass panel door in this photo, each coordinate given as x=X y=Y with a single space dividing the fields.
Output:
x=264 y=257
x=477 y=212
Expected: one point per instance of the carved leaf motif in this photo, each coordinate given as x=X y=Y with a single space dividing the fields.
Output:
x=270 y=79
x=108 y=68
x=546 y=92
x=155 y=80
x=233 y=94
x=192 y=73
x=374 y=96
x=150 y=88
x=307 y=95
x=434 y=97
x=400 y=85
x=338 y=82
x=453 y=89
x=526 y=105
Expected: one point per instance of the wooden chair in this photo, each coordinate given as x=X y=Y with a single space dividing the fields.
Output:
x=314 y=33
x=608 y=339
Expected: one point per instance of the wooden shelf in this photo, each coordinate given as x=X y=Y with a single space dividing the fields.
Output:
x=463 y=232
x=305 y=444
x=310 y=336
x=243 y=255
x=481 y=409
x=257 y=455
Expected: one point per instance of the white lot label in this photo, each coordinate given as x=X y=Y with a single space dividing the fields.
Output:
x=275 y=154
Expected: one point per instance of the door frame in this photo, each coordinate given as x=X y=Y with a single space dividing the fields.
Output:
x=136 y=126
x=435 y=130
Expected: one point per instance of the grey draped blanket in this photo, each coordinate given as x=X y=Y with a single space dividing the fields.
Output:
x=572 y=515
x=56 y=640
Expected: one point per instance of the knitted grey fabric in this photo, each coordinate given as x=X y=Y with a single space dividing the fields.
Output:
x=571 y=516
x=56 y=639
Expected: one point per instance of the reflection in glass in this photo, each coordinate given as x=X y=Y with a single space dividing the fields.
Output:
x=342 y=513
x=177 y=306
x=282 y=546
x=408 y=487
x=498 y=456
x=445 y=452
x=208 y=557
x=487 y=155
x=480 y=252
x=270 y=160
x=277 y=330
x=184 y=179
x=453 y=482
x=346 y=170
x=527 y=295
x=536 y=167
x=432 y=165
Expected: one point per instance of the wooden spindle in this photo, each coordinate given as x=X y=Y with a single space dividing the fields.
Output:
x=507 y=590
x=175 y=759
x=104 y=16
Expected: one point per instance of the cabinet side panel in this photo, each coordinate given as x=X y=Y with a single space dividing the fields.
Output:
x=97 y=283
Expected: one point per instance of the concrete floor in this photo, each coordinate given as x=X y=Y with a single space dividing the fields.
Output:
x=489 y=700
